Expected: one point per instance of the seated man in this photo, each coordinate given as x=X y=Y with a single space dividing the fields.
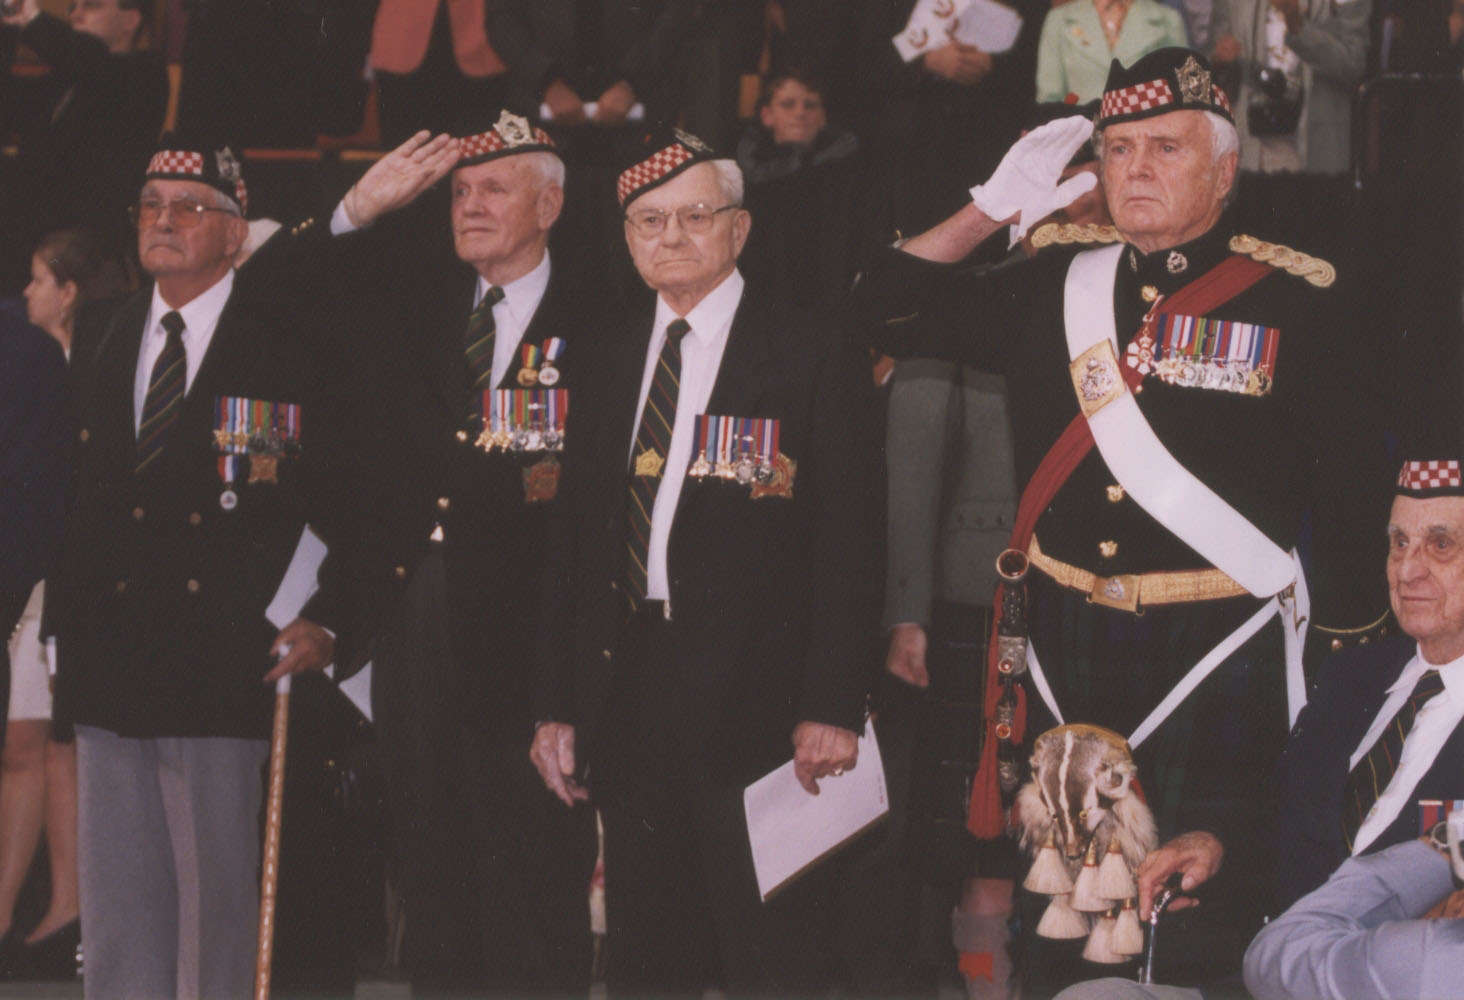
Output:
x=1382 y=730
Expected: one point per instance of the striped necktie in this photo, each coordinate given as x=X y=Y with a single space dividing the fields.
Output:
x=478 y=340
x=1372 y=774
x=652 y=441
x=164 y=397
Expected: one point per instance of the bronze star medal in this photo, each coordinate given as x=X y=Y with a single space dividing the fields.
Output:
x=264 y=468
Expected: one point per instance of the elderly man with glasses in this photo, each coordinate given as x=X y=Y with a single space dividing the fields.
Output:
x=206 y=444
x=713 y=590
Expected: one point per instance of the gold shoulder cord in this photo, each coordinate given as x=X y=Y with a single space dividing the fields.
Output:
x=1315 y=270
x=1361 y=635
x=1066 y=233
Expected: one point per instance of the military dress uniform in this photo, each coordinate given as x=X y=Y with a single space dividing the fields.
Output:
x=1289 y=453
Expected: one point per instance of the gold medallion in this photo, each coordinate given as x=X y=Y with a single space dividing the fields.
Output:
x=264 y=468
x=649 y=463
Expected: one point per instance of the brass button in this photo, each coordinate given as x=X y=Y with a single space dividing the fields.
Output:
x=1336 y=644
x=614 y=587
x=1108 y=549
x=443 y=503
x=192 y=586
x=195 y=519
x=400 y=572
x=121 y=587
x=1115 y=493
x=85 y=435
x=607 y=654
x=462 y=435
x=1149 y=293
x=138 y=513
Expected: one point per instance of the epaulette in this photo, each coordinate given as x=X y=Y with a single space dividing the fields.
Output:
x=1313 y=269
x=1067 y=232
x=302 y=227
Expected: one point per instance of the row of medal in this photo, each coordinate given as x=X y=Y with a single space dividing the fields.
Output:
x=539 y=363
x=261 y=431
x=740 y=449
x=518 y=420
x=1201 y=352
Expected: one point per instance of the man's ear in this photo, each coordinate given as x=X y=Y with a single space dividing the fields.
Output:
x=550 y=204
x=741 y=226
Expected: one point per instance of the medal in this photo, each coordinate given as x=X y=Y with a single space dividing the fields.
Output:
x=534 y=440
x=541 y=481
x=548 y=375
x=781 y=484
x=228 y=500
x=264 y=468
x=648 y=463
x=528 y=377
x=519 y=439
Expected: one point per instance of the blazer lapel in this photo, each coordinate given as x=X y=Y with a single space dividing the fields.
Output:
x=744 y=362
x=1085 y=32
x=1145 y=22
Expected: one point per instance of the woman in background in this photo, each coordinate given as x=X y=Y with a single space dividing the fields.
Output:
x=38 y=762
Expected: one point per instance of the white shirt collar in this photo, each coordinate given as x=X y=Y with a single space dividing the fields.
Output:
x=1452 y=674
x=200 y=314
x=711 y=314
x=522 y=295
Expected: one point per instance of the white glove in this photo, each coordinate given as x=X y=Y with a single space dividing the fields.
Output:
x=1025 y=182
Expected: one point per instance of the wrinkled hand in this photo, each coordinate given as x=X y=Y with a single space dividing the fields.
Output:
x=1226 y=50
x=1195 y=855
x=565 y=106
x=906 y=656
x=615 y=103
x=1024 y=188
x=821 y=750
x=959 y=63
x=553 y=755
x=395 y=180
x=301 y=645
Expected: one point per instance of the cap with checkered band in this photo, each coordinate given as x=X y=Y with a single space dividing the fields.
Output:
x=179 y=159
x=509 y=135
x=1172 y=79
x=658 y=157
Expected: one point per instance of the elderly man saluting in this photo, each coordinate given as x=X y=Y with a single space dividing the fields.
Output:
x=1181 y=396
x=714 y=585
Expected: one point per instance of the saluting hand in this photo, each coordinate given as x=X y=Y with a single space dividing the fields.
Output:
x=395 y=180
x=1024 y=188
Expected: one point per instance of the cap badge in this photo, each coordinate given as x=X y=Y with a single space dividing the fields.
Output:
x=514 y=129
x=691 y=142
x=1194 y=82
x=228 y=165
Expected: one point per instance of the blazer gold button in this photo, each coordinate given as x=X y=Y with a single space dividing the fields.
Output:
x=195 y=519
x=138 y=513
x=443 y=503
x=85 y=435
x=607 y=654
x=1115 y=493
x=1108 y=549
x=192 y=586
x=121 y=587
x=400 y=572
x=1149 y=293
x=462 y=435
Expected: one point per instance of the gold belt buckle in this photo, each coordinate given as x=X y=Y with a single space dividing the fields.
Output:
x=1121 y=592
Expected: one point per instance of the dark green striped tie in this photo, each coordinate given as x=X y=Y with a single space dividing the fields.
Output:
x=652 y=441
x=165 y=388
x=1370 y=777
x=478 y=340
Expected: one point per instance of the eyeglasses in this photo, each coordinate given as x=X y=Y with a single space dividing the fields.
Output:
x=695 y=219
x=185 y=212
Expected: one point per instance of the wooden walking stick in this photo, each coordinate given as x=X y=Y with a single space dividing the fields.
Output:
x=269 y=879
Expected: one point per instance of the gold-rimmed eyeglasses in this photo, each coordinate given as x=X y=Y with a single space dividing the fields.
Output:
x=185 y=212
x=695 y=219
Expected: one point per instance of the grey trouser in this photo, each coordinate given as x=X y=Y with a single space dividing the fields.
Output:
x=168 y=842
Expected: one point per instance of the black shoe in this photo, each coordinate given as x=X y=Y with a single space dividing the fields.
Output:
x=55 y=956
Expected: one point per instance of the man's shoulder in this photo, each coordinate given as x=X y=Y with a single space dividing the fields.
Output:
x=1363 y=673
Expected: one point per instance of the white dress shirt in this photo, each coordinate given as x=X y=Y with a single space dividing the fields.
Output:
x=1432 y=727
x=512 y=315
x=701 y=357
x=200 y=318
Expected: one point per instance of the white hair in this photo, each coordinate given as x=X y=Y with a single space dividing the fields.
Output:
x=729 y=176
x=1223 y=138
x=550 y=166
